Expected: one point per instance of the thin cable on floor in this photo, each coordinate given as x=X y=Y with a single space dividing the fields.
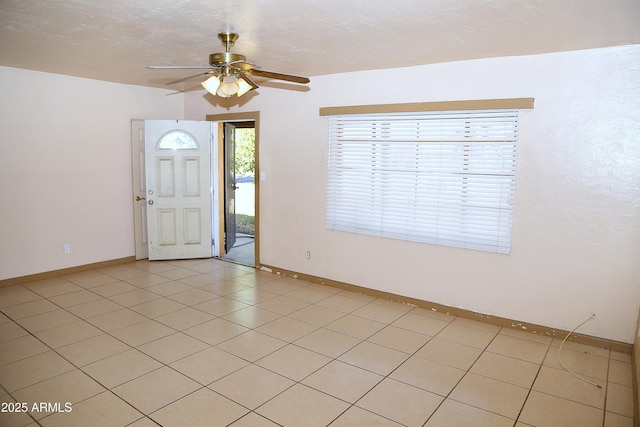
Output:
x=593 y=316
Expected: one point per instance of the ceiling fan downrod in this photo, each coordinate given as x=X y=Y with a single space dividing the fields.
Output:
x=226 y=57
x=228 y=40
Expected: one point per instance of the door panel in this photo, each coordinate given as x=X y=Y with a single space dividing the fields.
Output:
x=178 y=160
x=166 y=176
x=167 y=227
x=191 y=176
x=192 y=226
x=230 y=185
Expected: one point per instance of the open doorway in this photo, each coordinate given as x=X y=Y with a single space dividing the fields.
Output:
x=239 y=191
x=243 y=225
x=220 y=204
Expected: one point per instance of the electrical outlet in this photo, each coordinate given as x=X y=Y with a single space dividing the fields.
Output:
x=66 y=248
x=308 y=254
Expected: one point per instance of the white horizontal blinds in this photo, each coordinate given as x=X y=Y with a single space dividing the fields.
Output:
x=436 y=177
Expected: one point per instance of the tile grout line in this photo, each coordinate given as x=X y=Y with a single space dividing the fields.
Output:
x=332 y=359
x=462 y=377
x=549 y=347
x=8 y=393
x=76 y=367
x=299 y=382
x=287 y=342
x=205 y=386
x=106 y=389
x=250 y=362
x=606 y=390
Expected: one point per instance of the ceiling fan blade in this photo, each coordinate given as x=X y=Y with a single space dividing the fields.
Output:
x=279 y=76
x=243 y=65
x=248 y=80
x=190 y=77
x=179 y=67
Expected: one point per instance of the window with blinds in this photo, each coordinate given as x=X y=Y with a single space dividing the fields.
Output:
x=438 y=177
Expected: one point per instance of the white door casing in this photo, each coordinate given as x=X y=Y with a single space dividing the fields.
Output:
x=178 y=189
x=139 y=189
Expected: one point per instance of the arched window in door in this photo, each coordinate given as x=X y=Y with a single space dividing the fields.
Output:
x=177 y=140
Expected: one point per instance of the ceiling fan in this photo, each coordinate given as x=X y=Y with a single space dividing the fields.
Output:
x=230 y=73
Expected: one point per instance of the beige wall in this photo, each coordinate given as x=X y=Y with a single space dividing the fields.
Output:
x=65 y=177
x=576 y=234
x=65 y=168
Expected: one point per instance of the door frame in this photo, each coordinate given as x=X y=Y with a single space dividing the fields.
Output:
x=230 y=117
x=246 y=117
x=139 y=189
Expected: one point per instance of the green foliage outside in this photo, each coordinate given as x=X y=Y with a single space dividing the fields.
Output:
x=245 y=149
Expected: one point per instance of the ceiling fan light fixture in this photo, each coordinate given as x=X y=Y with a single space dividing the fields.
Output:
x=229 y=86
x=244 y=87
x=211 y=84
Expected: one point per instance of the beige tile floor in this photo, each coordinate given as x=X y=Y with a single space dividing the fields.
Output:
x=210 y=343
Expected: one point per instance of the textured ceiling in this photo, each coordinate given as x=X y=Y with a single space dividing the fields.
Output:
x=114 y=40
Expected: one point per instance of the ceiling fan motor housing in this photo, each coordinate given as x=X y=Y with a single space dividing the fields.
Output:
x=222 y=58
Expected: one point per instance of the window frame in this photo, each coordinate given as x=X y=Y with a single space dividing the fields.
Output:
x=382 y=149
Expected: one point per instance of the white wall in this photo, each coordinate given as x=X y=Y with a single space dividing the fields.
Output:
x=576 y=234
x=65 y=168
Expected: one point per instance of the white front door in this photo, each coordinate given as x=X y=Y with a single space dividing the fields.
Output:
x=178 y=181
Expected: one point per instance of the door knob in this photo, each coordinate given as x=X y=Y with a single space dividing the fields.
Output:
x=138 y=198
x=150 y=202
